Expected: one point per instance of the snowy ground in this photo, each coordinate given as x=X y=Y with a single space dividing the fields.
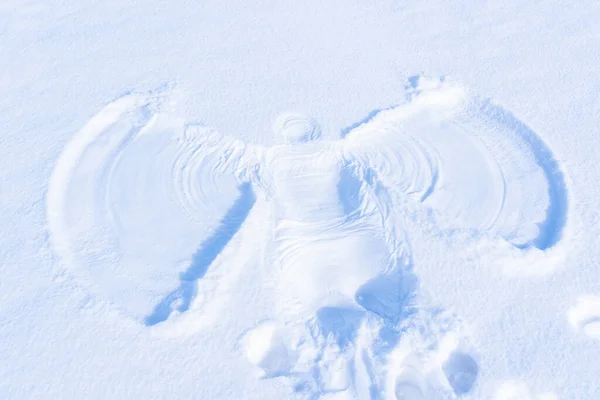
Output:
x=174 y=227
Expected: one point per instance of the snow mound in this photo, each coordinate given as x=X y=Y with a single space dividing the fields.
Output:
x=264 y=347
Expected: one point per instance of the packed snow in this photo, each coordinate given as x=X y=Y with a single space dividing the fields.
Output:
x=224 y=200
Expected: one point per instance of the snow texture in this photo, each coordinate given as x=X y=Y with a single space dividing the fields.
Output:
x=224 y=200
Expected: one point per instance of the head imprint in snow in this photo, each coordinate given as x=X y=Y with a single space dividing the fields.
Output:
x=296 y=128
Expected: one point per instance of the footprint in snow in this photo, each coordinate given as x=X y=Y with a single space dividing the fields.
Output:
x=584 y=316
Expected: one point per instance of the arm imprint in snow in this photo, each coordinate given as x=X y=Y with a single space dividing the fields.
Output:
x=229 y=154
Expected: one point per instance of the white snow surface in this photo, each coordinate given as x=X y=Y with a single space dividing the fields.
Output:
x=300 y=200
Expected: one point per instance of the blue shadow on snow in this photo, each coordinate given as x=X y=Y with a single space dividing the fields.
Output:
x=204 y=257
x=550 y=230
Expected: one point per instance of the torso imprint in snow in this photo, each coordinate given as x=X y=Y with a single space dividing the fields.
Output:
x=325 y=241
x=333 y=232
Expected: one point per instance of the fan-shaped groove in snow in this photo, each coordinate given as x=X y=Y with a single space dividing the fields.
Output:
x=132 y=198
x=550 y=230
x=68 y=162
x=469 y=159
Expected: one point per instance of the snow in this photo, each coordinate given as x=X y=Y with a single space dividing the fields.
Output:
x=585 y=316
x=272 y=200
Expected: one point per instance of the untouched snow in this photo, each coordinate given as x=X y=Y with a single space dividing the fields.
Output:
x=224 y=200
